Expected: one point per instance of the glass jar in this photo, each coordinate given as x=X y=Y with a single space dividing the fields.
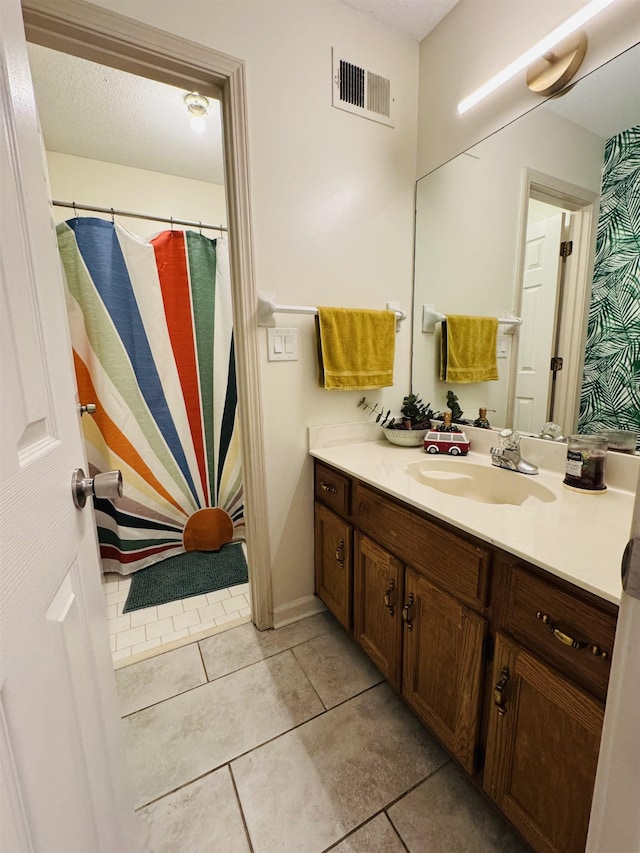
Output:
x=586 y=456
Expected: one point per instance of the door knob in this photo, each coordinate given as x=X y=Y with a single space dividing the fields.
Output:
x=107 y=485
x=88 y=409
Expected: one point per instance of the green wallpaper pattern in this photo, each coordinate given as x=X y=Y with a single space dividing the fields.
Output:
x=610 y=396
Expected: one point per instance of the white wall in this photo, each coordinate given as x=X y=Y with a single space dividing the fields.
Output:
x=332 y=199
x=475 y=41
x=469 y=220
x=100 y=184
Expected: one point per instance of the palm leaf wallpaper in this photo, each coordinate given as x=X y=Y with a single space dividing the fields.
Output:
x=610 y=395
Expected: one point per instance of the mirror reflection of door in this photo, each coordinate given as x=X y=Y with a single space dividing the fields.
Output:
x=553 y=296
x=540 y=286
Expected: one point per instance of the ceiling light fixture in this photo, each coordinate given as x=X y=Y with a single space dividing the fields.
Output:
x=561 y=64
x=198 y=106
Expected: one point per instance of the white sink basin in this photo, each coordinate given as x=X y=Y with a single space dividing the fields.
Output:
x=482 y=483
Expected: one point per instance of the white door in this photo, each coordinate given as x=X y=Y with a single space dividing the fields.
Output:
x=63 y=783
x=538 y=311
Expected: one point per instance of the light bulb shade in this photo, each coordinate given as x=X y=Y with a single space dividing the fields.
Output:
x=197 y=123
x=197 y=104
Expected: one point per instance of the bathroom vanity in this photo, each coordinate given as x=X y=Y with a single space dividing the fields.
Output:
x=494 y=620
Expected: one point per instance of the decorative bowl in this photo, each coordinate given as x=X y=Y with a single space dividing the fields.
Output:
x=405 y=437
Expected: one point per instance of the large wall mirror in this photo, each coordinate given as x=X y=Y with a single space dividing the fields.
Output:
x=490 y=226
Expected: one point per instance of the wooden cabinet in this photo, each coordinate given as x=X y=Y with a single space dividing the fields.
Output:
x=542 y=750
x=334 y=581
x=378 y=588
x=428 y=605
x=443 y=663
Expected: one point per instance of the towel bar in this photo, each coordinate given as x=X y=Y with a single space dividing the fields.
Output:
x=267 y=308
x=430 y=317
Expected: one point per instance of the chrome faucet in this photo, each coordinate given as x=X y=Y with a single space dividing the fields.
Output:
x=507 y=455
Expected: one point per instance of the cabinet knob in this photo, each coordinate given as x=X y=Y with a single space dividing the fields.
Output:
x=339 y=553
x=328 y=487
x=498 y=691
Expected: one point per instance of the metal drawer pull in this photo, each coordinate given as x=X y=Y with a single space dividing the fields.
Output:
x=566 y=640
x=339 y=552
x=387 y=597
x=328 y=487
x=405 y=613
x=498 y=691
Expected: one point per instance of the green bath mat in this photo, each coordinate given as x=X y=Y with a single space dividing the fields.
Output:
x=192 y=573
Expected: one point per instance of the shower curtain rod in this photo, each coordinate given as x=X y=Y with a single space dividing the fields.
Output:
x=113 y=212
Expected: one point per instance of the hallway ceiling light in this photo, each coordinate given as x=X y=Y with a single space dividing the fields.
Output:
x=198 y=106
x=565 y=60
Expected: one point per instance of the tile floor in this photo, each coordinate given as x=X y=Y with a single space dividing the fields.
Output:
x=145 y=632
x=290 y=740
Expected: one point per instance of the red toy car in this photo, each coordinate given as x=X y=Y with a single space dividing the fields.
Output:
x=455 y=443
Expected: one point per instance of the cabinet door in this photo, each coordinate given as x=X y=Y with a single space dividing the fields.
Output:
x=377 y=589
x=333 y=563
x=542 y=750
x=443 y=664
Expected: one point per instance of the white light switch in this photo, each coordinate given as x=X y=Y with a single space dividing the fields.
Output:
x=282 y=344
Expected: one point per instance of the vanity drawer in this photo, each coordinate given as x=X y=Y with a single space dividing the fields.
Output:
x=333 y=489
x=546 y=618
x=453 y=564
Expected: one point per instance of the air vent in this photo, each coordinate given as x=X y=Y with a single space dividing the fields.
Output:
x=358 y=89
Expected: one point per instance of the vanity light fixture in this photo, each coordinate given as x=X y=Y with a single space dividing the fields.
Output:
x=197 y=106
x=558 y=56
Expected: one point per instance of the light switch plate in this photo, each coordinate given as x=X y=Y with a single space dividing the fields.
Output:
x=282 y=344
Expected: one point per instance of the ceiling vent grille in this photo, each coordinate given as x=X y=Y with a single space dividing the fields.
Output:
x=360 y=90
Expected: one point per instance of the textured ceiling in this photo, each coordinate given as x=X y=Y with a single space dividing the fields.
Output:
x=98 y=112
x=416 y=18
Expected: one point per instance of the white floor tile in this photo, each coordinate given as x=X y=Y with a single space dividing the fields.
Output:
x=186 y=620
x=157 y=629
x=144 y=647
x=218 y=595
x=176 y=635
x=116 y=597
x=144 y=616
x=194 y=602
x=232 y=605
x=120 y=623
x=211 y=611
x=131 y=637
x=170 y=609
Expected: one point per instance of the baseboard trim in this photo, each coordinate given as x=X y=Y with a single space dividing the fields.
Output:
x=293 y=611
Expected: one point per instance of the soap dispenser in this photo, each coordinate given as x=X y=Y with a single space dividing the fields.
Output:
x=447 y=426
x=482 y=421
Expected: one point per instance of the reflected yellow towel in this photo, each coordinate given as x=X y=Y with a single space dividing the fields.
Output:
x=355 y=348
x=469 y=349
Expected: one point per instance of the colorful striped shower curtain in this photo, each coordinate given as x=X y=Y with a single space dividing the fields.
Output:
x=152 y=336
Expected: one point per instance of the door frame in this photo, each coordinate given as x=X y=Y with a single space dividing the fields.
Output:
x=81 y=29
x=574 y=311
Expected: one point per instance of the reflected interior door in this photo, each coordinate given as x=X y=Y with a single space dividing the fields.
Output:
x=63 y=780
x=537 y=333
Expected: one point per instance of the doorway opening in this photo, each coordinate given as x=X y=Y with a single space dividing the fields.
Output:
x=555 y=271
x=170 y=61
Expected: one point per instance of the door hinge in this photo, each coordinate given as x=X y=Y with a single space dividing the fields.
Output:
x=556 y=363
x=488 y=648
x=566 y=248
x=478 y=757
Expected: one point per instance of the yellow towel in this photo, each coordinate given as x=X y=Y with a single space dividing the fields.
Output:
x=469 y=349
x=355 y=348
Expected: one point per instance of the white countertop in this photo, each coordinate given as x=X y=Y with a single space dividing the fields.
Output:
x=579 y=537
